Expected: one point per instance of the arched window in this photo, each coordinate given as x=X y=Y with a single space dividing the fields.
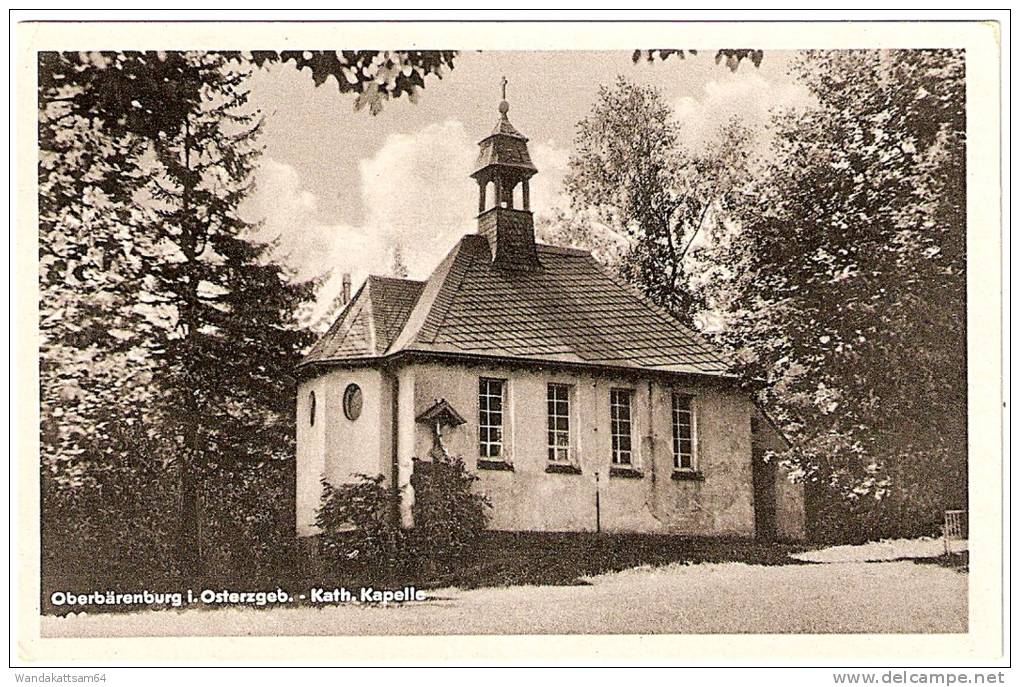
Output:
x=518 y=202
x=311 y=409
x=490 y=195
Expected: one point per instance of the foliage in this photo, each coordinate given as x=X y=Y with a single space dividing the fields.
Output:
x=834 y=271
x=147 y=93
x=100 y=115
x=733 y=57
x=94 y=373
x=844 y=287
x=161 y=311
x=449 y=518
x=118 y=525
x=359 y=521
x=375 y=75
x=155 y=305
x=247 y=520
x=223 y=304
x=110 y=527
x=631 y=170
x=583 y=228
x=357 y=524
x=911 y=503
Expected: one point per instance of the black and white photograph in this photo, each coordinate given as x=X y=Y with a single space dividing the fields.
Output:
x=571 y=341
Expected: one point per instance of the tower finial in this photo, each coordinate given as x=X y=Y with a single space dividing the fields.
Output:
x=504 y=106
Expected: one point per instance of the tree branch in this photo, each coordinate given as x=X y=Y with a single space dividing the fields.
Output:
x=701 y=222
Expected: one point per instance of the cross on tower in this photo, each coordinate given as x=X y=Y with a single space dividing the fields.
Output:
x=503 y=84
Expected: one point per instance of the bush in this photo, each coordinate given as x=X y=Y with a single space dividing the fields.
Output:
x=114 y=527
x=248 y=523
x=112 y=522
x=911 y=503
x=359 y=521
x=357 y=524
x=449 y=518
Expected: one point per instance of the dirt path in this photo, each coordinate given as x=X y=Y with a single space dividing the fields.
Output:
x=895 y=597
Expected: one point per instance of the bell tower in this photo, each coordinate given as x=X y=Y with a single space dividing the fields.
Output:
x=504 y=166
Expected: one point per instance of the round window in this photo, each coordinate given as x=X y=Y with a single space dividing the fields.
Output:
x=352 y=401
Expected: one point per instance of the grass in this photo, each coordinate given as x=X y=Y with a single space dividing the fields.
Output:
x=516 y=558
x=544 y=583
x=547 y=558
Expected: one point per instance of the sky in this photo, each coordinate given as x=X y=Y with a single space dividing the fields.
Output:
x=338 y=189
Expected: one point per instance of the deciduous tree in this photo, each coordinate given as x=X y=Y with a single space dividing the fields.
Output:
x=844 y=286
x=632 y=174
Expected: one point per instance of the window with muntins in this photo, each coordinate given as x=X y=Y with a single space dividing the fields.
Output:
x=620 y=425
x=683 y=432
x=559 y=423
x=491 y=402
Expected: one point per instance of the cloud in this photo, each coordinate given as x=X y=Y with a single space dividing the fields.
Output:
x=415 y=191
x=745 y=95
x=287 y=211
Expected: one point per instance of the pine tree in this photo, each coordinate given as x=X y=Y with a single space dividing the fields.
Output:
x=167 y=336
x=158 y=310
x=229 y=341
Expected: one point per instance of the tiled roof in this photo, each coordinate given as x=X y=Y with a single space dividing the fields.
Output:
x=392 y=301
x=569 y=311
x=505 y=128
x=504 y=147
x=370 y=322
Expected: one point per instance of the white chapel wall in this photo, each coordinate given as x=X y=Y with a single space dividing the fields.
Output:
x=336 y=447
x=529 y=498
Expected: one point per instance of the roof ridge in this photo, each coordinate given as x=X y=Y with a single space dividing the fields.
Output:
x=567 y=250
x=381 y=277
x=418 y=317
x=444 y=297
x=370 y=318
